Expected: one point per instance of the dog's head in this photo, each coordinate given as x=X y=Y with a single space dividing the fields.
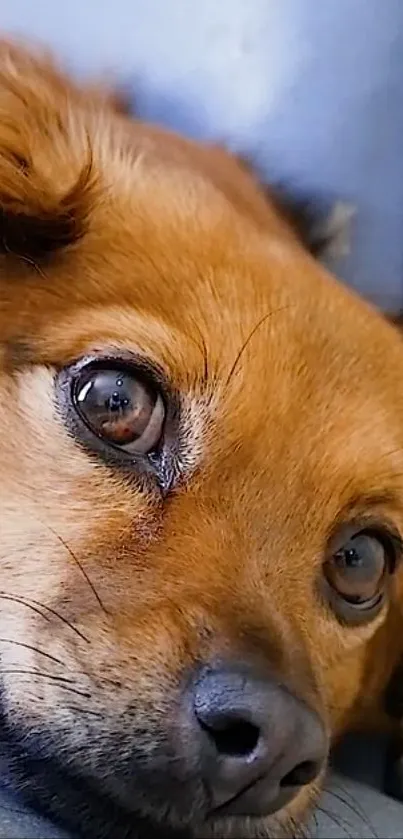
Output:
x=201 y=450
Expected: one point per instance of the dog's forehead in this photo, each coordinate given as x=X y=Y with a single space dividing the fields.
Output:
x=276 y=355
x=173 y=269
x=177 y=268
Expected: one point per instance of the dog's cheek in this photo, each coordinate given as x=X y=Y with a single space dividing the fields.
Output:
x=63 y=530
x=343 y=661
x=48 y=481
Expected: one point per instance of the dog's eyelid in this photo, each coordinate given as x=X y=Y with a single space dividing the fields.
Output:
x=134 y=361
x=380 y=526
x=362 y=504
x=378 y=511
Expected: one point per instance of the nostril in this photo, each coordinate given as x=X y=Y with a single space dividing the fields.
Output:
x=303 y=774
x=232 y=737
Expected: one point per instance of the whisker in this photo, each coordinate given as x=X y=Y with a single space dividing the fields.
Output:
x=315 y=819
x=203 y=348
x=249 y=338
x=354 y=807
x=340 y=823
x=60 y=679
x=88 y=711
x=33 y=604
x=9 y=671
x=82 y=569
x=24 y=603
x=33 y=649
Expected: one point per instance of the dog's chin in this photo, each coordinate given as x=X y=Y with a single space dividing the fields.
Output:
x=84 y=808
x=90 y=806
x=104 y=818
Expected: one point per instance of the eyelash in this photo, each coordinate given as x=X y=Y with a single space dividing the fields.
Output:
x=381 y=529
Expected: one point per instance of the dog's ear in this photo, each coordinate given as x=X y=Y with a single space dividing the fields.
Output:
x=324 y=230
x=46 y=174
x=396 y=320
x=323 y=227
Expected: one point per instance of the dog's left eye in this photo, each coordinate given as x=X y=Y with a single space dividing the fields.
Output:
x=357 y=569
x=120 y=408
x=357 y=573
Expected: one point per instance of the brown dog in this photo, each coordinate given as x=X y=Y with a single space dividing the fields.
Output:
x=201 y=447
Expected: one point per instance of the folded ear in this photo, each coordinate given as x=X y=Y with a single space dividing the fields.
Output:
x=46 y=175
x=325 y=231
x=323 y=228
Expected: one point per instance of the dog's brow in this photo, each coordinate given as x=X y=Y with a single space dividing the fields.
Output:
x=366 y=500
x=249 y=338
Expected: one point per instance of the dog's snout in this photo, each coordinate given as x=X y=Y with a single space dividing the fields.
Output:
x=257 y=743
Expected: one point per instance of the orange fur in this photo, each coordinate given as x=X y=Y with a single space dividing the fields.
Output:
x=118 y=237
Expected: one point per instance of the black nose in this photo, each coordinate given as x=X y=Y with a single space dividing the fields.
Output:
x=258 y=743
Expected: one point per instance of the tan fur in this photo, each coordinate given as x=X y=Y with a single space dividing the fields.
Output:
x=172 y=251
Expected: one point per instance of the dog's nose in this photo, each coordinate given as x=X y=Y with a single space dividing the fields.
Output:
x=258 y=743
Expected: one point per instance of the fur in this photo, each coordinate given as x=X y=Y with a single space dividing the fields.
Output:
x=123 y=241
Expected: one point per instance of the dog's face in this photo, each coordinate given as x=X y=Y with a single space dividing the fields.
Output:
x=201 y=480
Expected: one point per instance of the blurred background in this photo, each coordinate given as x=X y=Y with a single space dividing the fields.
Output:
x=311 y=91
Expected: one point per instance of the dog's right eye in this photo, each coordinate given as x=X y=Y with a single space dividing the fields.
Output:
x=120 y=407
x=357 y=568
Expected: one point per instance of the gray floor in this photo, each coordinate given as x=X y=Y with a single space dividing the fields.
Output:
x=352 y=805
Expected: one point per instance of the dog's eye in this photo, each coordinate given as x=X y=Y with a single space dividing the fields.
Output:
x=356 y=571
x=120 y=408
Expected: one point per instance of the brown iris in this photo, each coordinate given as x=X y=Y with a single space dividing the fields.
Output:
x=121 y=408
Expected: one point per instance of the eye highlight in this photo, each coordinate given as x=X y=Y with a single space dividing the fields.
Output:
x=120 y=408
x=357 y=572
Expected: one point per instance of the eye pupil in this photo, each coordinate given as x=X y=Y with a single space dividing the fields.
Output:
x=349 y=558
x=114 y=402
